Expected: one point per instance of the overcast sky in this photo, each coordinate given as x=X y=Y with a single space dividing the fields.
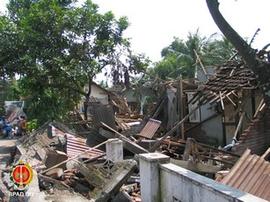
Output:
x=154 y=23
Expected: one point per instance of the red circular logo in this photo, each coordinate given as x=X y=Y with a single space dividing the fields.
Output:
x=22 y=174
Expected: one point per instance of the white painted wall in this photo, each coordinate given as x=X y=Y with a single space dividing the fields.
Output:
x=179 y=184
x=97 y=93
x=171 y=183
x=100 y=94
x=114 y=150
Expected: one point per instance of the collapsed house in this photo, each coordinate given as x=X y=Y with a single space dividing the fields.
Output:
x=66 y=167
x=226 y=102
x=256 y=135
x=187 y=118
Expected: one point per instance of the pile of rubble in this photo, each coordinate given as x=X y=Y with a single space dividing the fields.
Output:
x=96 y=158
x=62 y=162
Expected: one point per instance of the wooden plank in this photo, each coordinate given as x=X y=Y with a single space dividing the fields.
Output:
x=219 y=160
x=264 y=184
x=201 y=64
x=181 y=108
x=161 y=105
x=157 y=144
x=196 y=167
x=231 y=100
x=239 y=125
x=257 y=184
x=266 y=154
x=258 y=108
x=221 y=100
x=69 y=159
x=128 y=144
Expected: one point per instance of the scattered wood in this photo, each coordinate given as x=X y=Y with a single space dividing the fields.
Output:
x=69 y=159
x=239 y=125
x=157 y=144
x=128 y=144
x=200 y=62
x=54 y=181
x=196 y=166
x=221 y=100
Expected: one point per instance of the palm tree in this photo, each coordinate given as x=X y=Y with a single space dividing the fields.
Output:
x=180 y=56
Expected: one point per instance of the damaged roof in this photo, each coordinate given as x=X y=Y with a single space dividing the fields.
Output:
x=228 y=79
x=257 y=136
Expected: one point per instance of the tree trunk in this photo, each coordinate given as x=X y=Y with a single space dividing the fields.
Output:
x=87 y=97
x=245 y=51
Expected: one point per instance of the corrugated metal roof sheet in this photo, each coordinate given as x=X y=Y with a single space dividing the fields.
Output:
x=250 y=174
x=150 y=128
x=76 y=145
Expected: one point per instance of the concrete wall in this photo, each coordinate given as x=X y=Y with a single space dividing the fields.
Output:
x=211 y=129
x=179 y=184
x=100 y=94
x=166 y=182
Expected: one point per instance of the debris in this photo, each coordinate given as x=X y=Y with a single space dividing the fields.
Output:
x=74 y=157
x=130 y=145
x=197 y=167
x=150 y=128
x=55 y=173
x=251 y=174
x=54 y=157
x=170 y=132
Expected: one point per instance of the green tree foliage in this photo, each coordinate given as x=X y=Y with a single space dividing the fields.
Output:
x=57 y=48
x=180 y=58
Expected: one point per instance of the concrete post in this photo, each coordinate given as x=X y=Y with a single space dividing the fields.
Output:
x=114 y=150
x=149 y=175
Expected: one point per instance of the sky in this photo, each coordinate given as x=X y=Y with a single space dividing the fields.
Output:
x=154 y=23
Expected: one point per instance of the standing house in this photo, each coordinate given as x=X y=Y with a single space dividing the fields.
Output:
x=226 y=103
x=98 y=95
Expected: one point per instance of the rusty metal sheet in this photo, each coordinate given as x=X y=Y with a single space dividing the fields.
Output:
x=150 y=128
x=76 y=145
x=250 y=174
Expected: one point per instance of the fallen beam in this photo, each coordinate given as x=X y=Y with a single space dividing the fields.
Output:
x=128 y=144
x=239 y=125
x=157 y=144
x=69 y=159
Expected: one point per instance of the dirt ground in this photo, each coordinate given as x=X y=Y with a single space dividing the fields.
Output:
x=6 y=147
